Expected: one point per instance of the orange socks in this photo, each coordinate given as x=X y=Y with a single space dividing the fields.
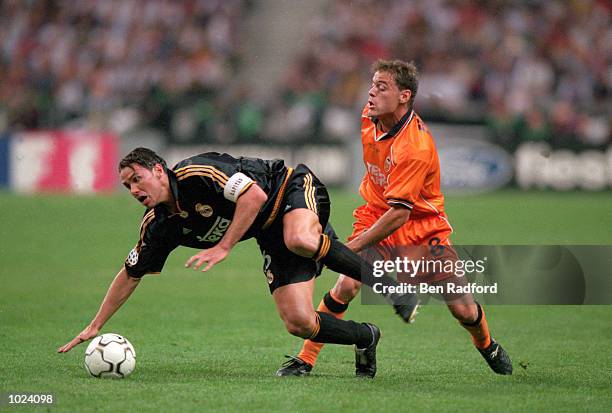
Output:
x=310 y=350
x=479 y=330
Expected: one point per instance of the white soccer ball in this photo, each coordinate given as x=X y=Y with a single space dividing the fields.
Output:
x=110 y=355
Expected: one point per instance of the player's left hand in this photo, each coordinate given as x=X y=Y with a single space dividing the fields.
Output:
x=209 y=256
x=88 y=333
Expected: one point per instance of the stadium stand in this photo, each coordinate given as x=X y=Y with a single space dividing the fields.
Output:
x=530 y=70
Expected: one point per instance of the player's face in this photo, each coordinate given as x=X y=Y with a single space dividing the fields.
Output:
x=144 y=184
x=384 y=97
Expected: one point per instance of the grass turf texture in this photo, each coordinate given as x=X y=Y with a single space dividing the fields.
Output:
x=211 y=342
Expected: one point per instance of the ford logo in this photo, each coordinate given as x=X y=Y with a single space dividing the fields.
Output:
x=470 y=165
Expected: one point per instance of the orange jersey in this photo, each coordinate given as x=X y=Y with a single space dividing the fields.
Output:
x=402 y=167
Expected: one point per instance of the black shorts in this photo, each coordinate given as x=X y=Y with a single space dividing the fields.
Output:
x=281 y=266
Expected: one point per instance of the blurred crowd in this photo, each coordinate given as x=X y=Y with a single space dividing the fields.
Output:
x=113 y=63
x=530 y=70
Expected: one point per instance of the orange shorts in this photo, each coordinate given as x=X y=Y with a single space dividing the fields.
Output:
x=419 y=231
x=417 y=238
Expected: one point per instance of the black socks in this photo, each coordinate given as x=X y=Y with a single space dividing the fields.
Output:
x=333 y=330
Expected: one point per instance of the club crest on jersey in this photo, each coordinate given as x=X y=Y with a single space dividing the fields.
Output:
x=204 y=210
x=388 y=164
x=132 y=258
x=216 y=231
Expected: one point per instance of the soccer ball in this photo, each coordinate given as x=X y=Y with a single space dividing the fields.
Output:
x=110 y=355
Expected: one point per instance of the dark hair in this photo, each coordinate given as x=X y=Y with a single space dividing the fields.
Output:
x=405 y=74
x=142 y=156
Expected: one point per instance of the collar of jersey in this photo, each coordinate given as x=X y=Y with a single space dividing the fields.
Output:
x=396 y=128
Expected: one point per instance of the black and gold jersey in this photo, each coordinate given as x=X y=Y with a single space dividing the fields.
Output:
x=205 y=188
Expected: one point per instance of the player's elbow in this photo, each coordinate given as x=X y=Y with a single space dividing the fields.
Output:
x=260 y=197
x=400 y=216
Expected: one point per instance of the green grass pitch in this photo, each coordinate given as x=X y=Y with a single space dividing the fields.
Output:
x=212 y=342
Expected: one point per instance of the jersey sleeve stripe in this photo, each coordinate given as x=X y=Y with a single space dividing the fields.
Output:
x=203 y=173
x=196 y=167
x=146 y=220
x=202 y=170
x=313 y=196
x=216 y=178
x=309 y=193
x=148 y=215
x=305 y=186
x=395 y=201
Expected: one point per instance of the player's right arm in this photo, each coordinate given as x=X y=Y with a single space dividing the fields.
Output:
x=119 y=291
x=387 y=224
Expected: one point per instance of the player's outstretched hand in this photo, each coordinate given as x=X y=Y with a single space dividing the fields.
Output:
x=209 y=256
x=87 y=334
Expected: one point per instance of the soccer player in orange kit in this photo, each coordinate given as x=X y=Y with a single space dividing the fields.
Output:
x=404 y=205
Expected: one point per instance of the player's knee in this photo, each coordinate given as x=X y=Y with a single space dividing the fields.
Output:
x=346 y=288
x=302 y=327
x=299 y=330
x=464 y=313
x=301 y=243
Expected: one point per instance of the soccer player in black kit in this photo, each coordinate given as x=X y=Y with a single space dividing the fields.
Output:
x=211 y=202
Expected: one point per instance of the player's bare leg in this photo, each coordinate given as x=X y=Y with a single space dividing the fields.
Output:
x=302 y=231
x=335 y=302
x=471 y=316
x=304 y=236
x=345 y=289
x=294 y=305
